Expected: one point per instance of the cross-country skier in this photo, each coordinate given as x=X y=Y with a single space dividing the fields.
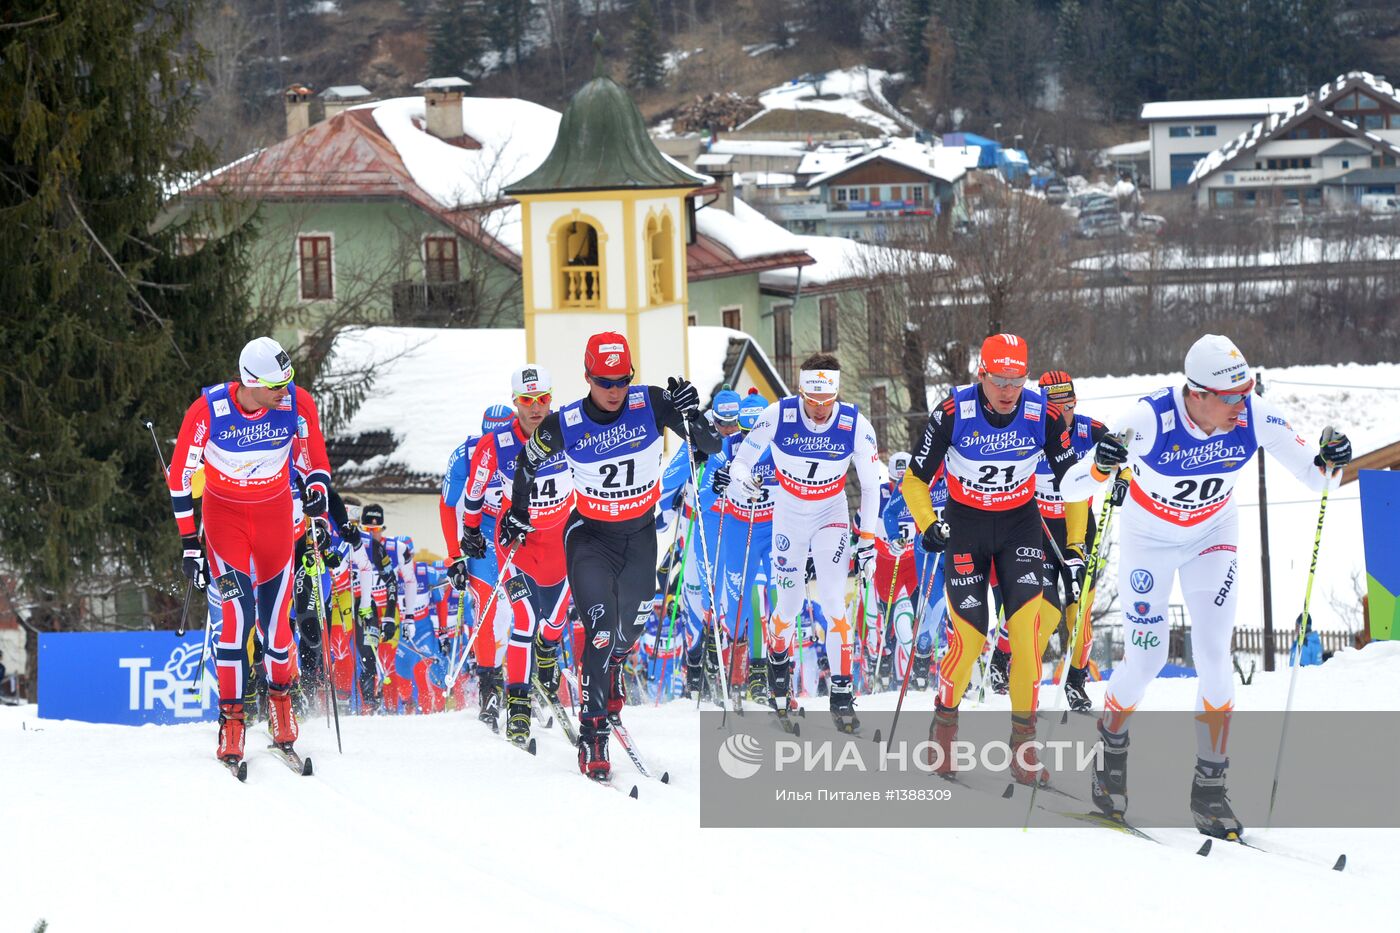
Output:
x=243 y=433
x=814 y=440
x=388 y=575
x=989 y=437
x=918 y=587
x=478 y=575
x=1186 y=446
x=534 y=582
x=613 y=441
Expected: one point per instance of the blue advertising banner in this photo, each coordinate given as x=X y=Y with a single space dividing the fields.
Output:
x=1380 y=516
x=128 y=678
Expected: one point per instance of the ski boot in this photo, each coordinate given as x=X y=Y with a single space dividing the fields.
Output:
x=758 y=682
x=593 y=749
x=617 y=688
x=843 y=708
x=518 y=714
x=709 y=664
x=489 y=685
x=547 y=664
x=999 y=673
x=694 y=681
x=1210 y=803
x=1025 y=760
x=779 y=687
x=231 y=733
x=1110 y=784
x=919 y=676
x=1074 y=690
x=281 y=718
x=942 y=733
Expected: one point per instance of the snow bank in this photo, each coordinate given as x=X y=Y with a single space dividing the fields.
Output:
x=851 y=88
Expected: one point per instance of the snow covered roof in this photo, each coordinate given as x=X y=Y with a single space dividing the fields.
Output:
x=1137 y=147
x=832 y=156
x=442 y=84
x=426 y=397
x=766 y=179
x=746 y=233
x=1214 y=109
x=345 y=92
x=906 y=152
x=1276 y=124
x=777 y=148
x=708 y=159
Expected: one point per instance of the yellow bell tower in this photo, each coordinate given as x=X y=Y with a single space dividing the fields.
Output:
x=604 y=236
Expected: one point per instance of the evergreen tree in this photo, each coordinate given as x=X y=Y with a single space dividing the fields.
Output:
x=838 y=21
x=109 y=322
x=458 y=39
x=644 y=67
x=1069 y=40
x=910 y=24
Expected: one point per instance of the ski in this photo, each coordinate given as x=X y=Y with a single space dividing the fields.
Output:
x=529 y=746
x=608 y=782
x=625 y=738
x=238 y=768
x=292 y=760
x=559 y=713
x=1340 y=864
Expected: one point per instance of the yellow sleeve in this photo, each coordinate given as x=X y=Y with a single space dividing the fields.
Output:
x=1076 y=524
x=916 y=496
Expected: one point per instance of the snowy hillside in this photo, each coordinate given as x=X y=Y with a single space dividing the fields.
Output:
x=431 y=822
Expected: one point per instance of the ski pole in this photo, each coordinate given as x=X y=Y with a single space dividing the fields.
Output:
x=679 y=583
x=507 y=564
x=1090 y=577
x=321 y=616
x=909 y=664
x=739 y=615
x=665 y=590
x=1298 y=645
x=889 y=614
x=709 y=567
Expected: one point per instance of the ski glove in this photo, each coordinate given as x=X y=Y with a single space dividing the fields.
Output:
x=473 y=544
x=193 y=565
x=351 y=534
x=1335 y=452
x=332 y=559
x=865 y=556
x=458 y=576
x=1073 y=572
x=1120 y=490
x=721 y=480
x=390 y=627
x=684 y=398
x=1110 y=454
x=936 y=537
x=315 y=502
x=514 y=527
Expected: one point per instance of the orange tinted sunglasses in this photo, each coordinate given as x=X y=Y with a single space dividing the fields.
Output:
x=541 y=398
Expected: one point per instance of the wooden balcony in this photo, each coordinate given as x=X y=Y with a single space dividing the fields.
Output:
x=432 y=304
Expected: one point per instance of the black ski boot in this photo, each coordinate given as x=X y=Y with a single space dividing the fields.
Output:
x=1210 y=803
x=489 y=685
x=919 y=677
x=999 y=673
x=546 y=655
x=710 y=665
x=1074 y=690
x=758 y=682
x=694 y=681
x=593 y=749
x=843 y=707
x=518 y=714
x=1110 y=783
x=779 y=687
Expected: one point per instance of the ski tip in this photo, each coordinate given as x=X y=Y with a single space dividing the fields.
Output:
x=633 y=792
x=242 y=775
x=797 y=729
x=802 y=712
x=531 y=748
x=1204 y=850
x=306 y=767
x=1009 y=792
x=666 y=779
x=877 y=736
x=1064 y=718
x=1341 y=863
x=549 y=724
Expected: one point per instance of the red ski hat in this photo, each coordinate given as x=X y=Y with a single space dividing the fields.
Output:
x=1004 y=355
x=607 y=355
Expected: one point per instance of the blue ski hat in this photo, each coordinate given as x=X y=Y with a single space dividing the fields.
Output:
x=725 y=405
x=750 y=408
x=496 y=416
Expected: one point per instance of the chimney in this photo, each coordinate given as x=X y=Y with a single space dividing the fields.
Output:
x=296 y=101
x=725 y=179
x=442 y=102
x=344 y=96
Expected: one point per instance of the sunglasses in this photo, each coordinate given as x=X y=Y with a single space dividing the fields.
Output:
x=819 y=402
x=602 y=383
x=539 y=398
x=1229 y=398
x=1005 y=382
x=276 y=385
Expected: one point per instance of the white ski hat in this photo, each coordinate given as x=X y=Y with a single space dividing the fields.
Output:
x=531 y=379
x=1214 y=362
x=264 y=363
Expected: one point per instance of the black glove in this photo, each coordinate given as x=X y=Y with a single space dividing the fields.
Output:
x=193 y=564
x=352 y=535
x=1335 y=452
x=1073 y=572
x=315 y=502
x=458 y=575
x=684 y=398
x=331 y=558
x=390 y=627
x=935 y=537
x=1120 y=490
x=1110 y=454
x=514 y=527
x=473 y=543
x=720 y=482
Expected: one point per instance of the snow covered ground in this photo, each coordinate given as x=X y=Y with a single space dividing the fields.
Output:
x=432 y=822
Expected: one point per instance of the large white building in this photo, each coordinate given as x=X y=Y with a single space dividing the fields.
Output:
x=1182 y=132
x=1329 y=148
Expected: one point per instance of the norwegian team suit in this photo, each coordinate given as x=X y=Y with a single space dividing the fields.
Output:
x=990 y=462
x=248 y=520
x=614 y=459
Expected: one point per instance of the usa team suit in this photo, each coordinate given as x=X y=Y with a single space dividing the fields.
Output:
x=1179 y=521
x=248 y=520
x=810 y=513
